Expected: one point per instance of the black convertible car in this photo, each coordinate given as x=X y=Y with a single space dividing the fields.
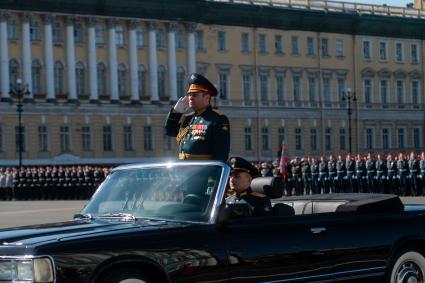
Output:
x=168 y=222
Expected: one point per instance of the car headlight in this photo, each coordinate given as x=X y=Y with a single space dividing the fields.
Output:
x=27 y=270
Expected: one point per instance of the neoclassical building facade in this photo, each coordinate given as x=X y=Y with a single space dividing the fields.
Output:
x=102 y=77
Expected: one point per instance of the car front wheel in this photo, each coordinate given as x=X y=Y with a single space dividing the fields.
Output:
x=409 y=267
x=126 y=276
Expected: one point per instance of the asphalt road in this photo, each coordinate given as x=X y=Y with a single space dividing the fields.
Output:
x=20 y=213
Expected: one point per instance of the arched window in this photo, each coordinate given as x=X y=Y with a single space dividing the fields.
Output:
x=101 y=79
x=141 y=73
x=122 y=80
x=13 y=71
x=181 y=81
x=161 y=81
x=36 y=77
x=58 y=74
x=80 y=78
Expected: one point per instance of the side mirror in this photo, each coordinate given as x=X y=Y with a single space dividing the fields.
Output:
x=234 y=211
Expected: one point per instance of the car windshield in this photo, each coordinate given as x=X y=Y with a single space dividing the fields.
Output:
x=181 y=193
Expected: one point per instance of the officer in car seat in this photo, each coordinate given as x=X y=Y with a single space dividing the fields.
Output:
x=240 y=182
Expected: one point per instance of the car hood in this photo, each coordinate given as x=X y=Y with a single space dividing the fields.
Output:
x=55 y=232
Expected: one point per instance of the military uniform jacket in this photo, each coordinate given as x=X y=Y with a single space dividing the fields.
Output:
x=206 y=135
x=259 y=204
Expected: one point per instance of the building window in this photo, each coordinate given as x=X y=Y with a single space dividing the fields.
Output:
x=414 y=54
x=179 y=39
x=296 y=81
x=80 y=76
x=223 y=85
x=169 y=142
x=160 y=38
x=65 y=145
x=401 y=138
x=280 y=87
x=244 y=42
x=100 y=34
x=264 y=88
x=369 y=138
x=42 y=139
x=327 y=90
x=101 y=79
x=416 y=138
x=161 y=81
x=78 y=33
x=222 y=44
x=140 y=37
x=199 y=40
x=399 y=52
x=147 y=138
x=141 y=75
x=312 y=89
x=57 y=32
x=384 y=91
x=339 y=48
x=310 y=46
x=385 y=139
x=342 y=139
x=281 y=135
x=313 y=139
x=246 y=88
x=22 y=138
x=119 y=35
x=128 y=138
x=383 y=51
x=324 y=46
x=341 y=88
x=122 y=80
x=13 y=71
x=265 y=145
x=12 y=29
x=36 y=77
x=59 y=78
x=107 y=138
x=181 y=82
x=1 y=139
x=366 y=50
x=298 y=139
x=415 y=92
x=35 y=31
x=295 y=46
x=278 y=44
x=328 y=138
x=400 y=91
x=367 y=90
x=85 y=138
x=262 y=43
x=248 y=138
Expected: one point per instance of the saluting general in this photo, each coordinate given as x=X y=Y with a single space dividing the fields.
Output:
x=202 y=133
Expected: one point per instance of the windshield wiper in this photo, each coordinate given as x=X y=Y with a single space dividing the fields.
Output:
x=117 y=215
x=83 y=216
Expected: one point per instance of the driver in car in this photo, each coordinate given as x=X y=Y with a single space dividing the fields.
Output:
x=240 y=183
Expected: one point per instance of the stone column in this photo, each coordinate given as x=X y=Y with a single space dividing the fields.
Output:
x=94 y=94
x=70 y=59
x=113 y=66
x=26 y=50
x=134 y=80
x=4 y=58
x=191 y=52
x=172 y=61
x=153 y=63
x=48 y=57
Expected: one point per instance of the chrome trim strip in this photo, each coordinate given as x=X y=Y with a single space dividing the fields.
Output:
x=27 y=257
x=219 y=196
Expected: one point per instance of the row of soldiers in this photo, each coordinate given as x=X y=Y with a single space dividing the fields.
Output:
x=394 y=174
x=51 y=182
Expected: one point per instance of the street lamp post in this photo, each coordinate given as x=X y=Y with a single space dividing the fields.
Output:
x=19 y=90
x=349 y=95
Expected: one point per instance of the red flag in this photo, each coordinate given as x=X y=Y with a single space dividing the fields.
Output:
x=283 y=160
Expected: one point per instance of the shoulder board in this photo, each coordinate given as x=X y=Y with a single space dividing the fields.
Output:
x=258 y=194
x=218 y=112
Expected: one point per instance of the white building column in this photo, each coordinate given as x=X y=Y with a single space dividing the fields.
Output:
x=134 y=80
x=172 y=62
x=153 y=63
x=48 y=57
x=70 y=59
x=4 y=58
x=94 y=93
x=113 y=66
x=191 y=52
x=26 y=51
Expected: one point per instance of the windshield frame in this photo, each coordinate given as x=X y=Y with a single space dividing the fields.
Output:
x=219 y=195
